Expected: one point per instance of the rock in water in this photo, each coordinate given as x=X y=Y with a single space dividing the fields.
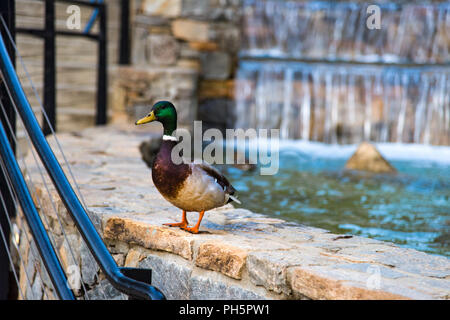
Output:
x=368 y=158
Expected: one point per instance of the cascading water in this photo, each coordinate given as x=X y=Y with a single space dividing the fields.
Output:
x=345 y=103
x=323 y=95
x=330 y=30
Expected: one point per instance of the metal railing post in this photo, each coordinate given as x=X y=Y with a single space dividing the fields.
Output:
x=49 y=68
x=124 y=45
x=102 y=78
x=7 y=10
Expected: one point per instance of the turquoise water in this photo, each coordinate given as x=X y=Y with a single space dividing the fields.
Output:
x=411 y=208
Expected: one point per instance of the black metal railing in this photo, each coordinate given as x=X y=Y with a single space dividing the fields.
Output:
x=35 y=224
x=9 y=116
x=48 y=34
x=125 y=43
x=134 y=282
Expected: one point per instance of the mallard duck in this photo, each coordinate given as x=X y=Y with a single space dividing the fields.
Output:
x=192 y=187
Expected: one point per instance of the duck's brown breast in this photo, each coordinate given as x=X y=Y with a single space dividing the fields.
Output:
x=168 y=177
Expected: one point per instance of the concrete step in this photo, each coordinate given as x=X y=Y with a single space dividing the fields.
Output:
x=65 y=77
x=68 y=49
x=83 y=97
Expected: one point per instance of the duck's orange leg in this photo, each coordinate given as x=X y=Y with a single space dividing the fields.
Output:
x=197 y=225
x=183 y=224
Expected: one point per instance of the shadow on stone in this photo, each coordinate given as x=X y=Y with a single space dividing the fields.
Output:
x=149 y=149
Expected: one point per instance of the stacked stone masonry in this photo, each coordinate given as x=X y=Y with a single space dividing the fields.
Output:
x=173 y=38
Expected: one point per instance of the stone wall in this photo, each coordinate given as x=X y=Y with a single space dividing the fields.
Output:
x=189 y=50
x=238 y=254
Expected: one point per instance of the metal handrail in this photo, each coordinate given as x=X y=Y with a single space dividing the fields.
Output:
x=46 y=250
x=120 y=278
x=92 y=19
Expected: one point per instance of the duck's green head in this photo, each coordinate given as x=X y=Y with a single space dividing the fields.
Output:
x=164 y=112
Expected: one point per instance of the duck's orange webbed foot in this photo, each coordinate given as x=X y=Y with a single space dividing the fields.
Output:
x=183 y=224
x=194 y=229
x=177 y=224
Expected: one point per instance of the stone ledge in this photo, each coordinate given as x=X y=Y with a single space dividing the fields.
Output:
x=238 y=254
x=218 y=256
x=148 y=236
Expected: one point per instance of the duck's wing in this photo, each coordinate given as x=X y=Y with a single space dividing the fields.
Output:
x=221 y=180
x=218 y=177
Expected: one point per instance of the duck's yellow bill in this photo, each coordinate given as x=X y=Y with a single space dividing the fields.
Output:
x=151 y=117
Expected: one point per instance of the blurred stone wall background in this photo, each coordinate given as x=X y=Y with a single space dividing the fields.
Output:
x=184 y=51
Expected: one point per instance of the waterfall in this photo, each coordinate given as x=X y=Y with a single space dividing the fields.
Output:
x=345 y=103
x=410 y=32
x=316 y=72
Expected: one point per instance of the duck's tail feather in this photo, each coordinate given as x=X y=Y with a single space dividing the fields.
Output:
x=234 y=199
